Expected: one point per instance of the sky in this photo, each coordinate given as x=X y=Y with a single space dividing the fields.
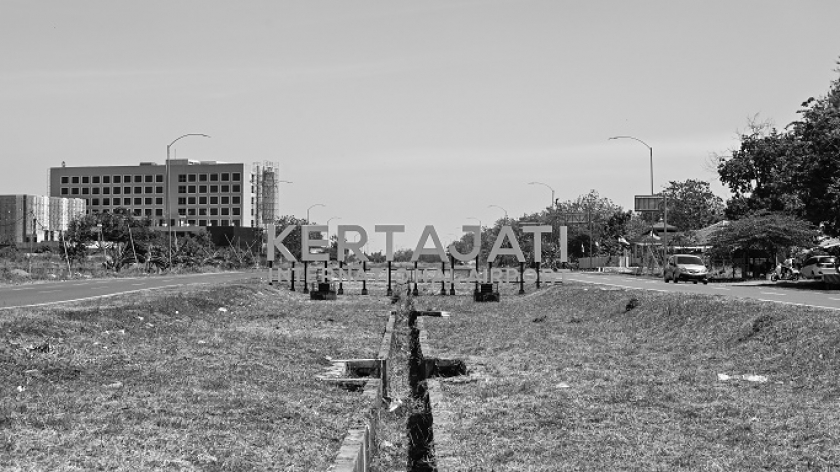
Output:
x=412 y=113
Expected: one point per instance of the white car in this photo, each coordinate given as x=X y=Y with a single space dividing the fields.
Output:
x=686 y=267
x=815 y=266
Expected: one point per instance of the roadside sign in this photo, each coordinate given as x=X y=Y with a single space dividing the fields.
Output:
x=648 y=203
x=574 y=218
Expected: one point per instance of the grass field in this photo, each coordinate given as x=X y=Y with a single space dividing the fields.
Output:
x=564 y=378
x=569 y=379
x=219 y=378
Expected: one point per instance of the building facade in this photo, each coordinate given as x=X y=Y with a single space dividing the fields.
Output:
x=186 y=193
x=36 y=218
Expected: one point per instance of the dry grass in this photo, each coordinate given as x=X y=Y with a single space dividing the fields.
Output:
x=568 y=379
x=168 y=381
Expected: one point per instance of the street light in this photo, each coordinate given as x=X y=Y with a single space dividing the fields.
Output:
x=664 y=196
x=311 y=207
x=549 y=187
x=651 y=156
x=497 y=206
x=166 y=195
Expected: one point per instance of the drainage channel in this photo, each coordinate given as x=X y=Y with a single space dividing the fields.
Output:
x=420 y=425
x=404 y=388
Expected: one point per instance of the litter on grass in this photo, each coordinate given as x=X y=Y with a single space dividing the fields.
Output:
x=747 y=377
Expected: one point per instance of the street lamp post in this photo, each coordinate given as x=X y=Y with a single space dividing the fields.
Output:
x=311 y=207
x=497 y=206
x=166 y=195
x=549 y=187
x=651 y=156
x=664 y=197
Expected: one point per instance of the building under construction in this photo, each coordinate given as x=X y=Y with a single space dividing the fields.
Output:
x=264 y=187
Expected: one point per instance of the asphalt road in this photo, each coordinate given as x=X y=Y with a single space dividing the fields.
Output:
x=798 y=293
x=48 y=293
x=803 y=292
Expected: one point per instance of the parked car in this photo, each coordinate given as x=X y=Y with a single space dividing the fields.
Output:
x=815 y=266
x=686 y=267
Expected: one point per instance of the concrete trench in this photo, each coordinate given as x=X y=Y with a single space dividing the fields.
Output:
x=424 y=445
x=421 y=452
x=372 y=376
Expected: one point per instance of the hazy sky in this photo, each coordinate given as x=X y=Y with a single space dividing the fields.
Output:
x=408 y=113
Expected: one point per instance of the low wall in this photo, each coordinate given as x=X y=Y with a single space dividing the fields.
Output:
x=359 y=445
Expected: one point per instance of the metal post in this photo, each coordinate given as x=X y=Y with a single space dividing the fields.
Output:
x=390 y=291
x=589 y=220
x=270 y=280
x=539 y=265
x=293 y=276
x=414 y=275
x=522 y=278
x=340 y=278
x=452 y=275
x=364 y=278
x=443 y=278
x=305 y=279
x=167 y=192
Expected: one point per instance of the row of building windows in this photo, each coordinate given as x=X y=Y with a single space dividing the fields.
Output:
x=225 y=200
x=181 y=211
x=109 y=190
x=125 y=201
x=159 y=201
x=223 y=177
x=224 y=211
x=149 y=178
x=190 y=222
x=148 y=190
x=107 y=179
x=236 y=188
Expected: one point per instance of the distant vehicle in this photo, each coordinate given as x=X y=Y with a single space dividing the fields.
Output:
x=815 y=266
x=779 y=274
x=685 y=267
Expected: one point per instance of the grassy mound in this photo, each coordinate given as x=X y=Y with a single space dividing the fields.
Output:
x=583 y=378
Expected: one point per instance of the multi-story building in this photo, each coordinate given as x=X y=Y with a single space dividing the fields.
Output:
x=186 y=193
x=36 y=218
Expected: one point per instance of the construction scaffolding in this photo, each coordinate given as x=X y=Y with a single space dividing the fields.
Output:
x=264 y=182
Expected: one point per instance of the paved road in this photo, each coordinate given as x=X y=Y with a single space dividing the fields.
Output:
x=73 y=290
x=798 y=293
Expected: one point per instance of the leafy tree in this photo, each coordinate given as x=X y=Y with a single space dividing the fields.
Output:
x=293 y=241
x=376 y=257
x=614 y=228
x=796 y=170
x=766 y=234
x=604 y=232
x=692 y=205
x=118 y=235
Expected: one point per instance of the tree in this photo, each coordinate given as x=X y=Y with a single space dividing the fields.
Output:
x=293 y=241
x=796 y=171
x=614 y=228
x=603 y=231
x=767 y=234
x=119 y=236
x=692 y=205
